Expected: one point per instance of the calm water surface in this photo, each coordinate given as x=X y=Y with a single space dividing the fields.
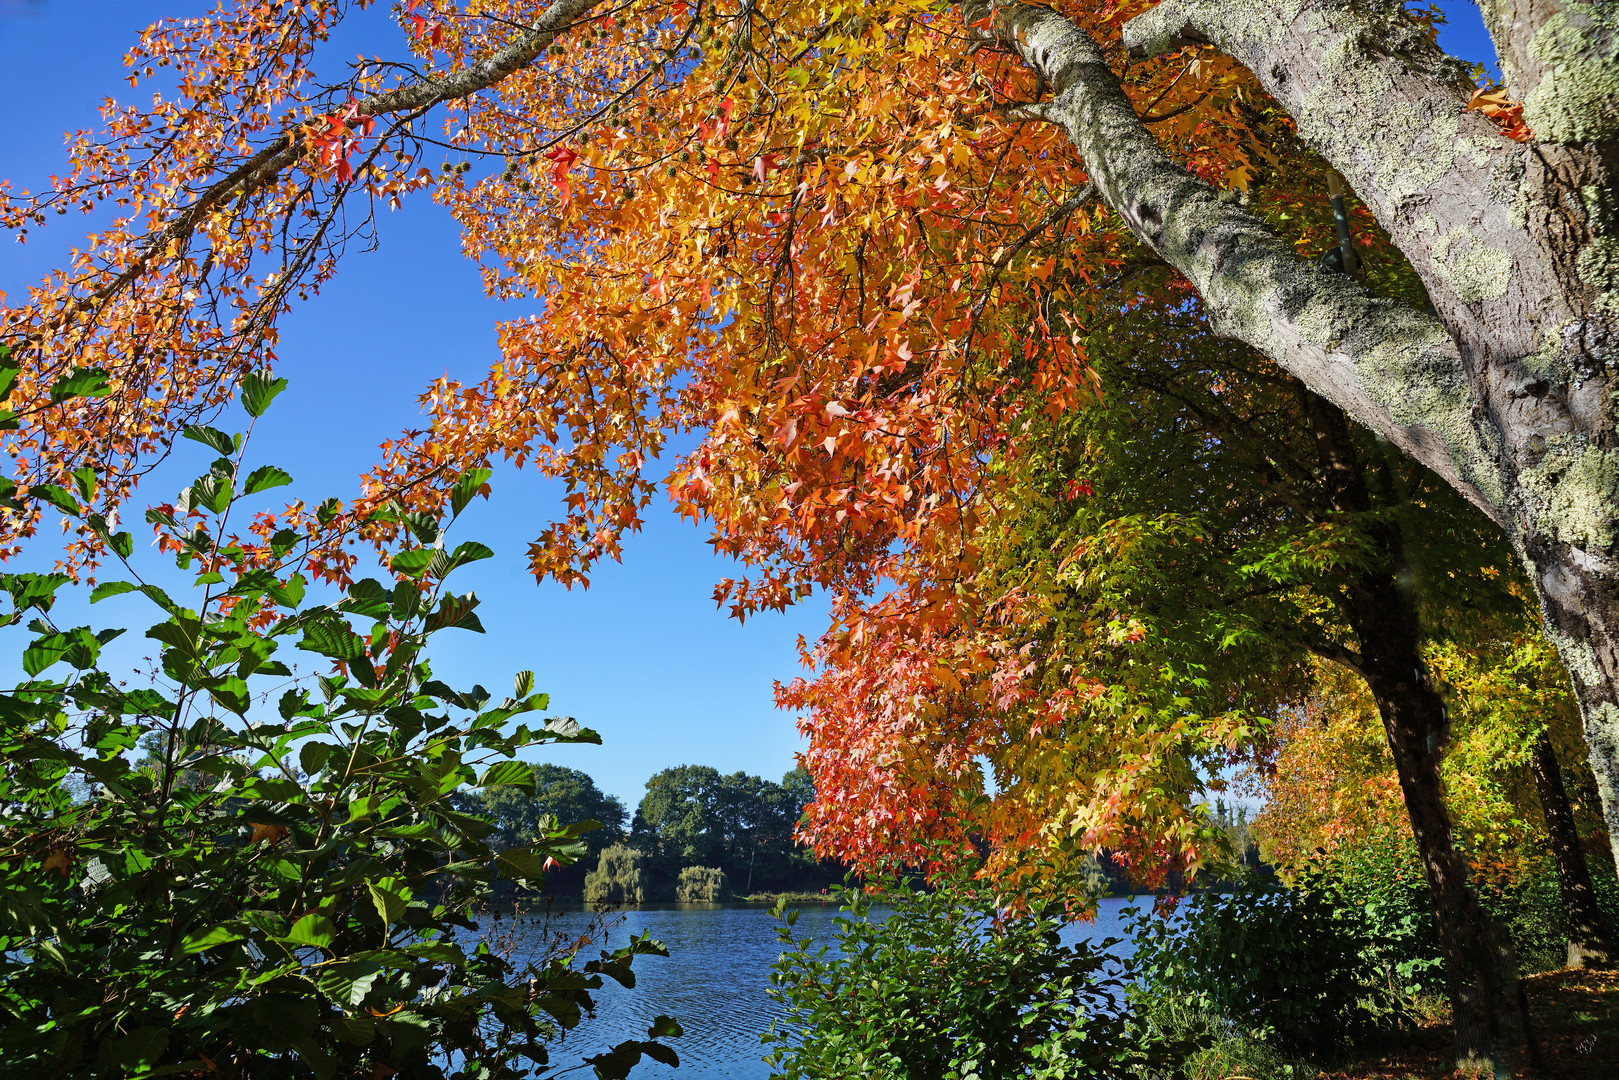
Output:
x=713 y=982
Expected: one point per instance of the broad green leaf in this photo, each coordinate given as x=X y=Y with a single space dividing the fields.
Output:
x=406 y=601
x=466 y=488
x=508 y=774
x=85 y=480
x=520 y=864
x=83 y=383
x=312 y=756
x=45 y=651
x=232 y=693
x=213 y=438
x=264 y=478
x=313 y=929
x=111 y=588
x=348 y=984
x=332 y=637
x=207 y=939
x=664 y=1027
x=389 y=898
x=455 y=612
x=358 y=1030
x=468 y=552
x=258 y=390
x=56 y=496
x=412 y=563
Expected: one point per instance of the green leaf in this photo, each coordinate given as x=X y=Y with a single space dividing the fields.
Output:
x=455 y=611
x=213 y=438
x=258 y=390
x=8 y=372
x=664 y=1027
x=231 y=692
x=332 y=637
x=57 y=497
x=85 y=480
x=111 y=588
x=508 y=774
x=520 y=864
x=45 y=651
x=212 y=491
x=207 y=939
x=313 y=929
x=389 y=899
x=470 y=551
x=412 y=563
x=312 y=756
x=357 y=1030
x=467 y=487
x=522 y=684
x=406 y=601
x=264 y=478
x=83 y=383
x=348 y=984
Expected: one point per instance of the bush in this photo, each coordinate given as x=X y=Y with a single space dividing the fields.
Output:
x=291 y=895
x=947 y=986
x=618 y=877
x=702 y=884
x=1290 y=968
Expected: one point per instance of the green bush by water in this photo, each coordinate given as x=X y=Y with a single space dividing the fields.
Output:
x=618 y=877
x=946 y=987
x=702 y=885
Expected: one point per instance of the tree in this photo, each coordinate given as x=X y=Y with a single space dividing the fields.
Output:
x=826 y=241
x=1505 y=406
x=692 y=815
x=557 y=794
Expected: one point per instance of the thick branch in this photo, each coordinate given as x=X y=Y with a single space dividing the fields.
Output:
x=1395 y=370
x=1388 y=109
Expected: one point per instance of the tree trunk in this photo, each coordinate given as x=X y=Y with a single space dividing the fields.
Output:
x=1487 y=1014
x=1588 y=944
x=1506 y=391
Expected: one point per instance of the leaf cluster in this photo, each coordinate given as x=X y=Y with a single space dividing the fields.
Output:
x=284 y=885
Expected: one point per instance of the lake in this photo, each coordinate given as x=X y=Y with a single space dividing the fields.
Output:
x=713 y=982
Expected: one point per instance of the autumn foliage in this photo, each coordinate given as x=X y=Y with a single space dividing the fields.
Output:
x=834 y=245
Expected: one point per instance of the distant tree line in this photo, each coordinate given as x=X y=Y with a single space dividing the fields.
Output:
x=697 y=833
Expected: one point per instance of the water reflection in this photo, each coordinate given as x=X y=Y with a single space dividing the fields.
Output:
x=713 y=982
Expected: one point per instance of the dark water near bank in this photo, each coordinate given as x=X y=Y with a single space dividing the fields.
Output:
x=713 y=982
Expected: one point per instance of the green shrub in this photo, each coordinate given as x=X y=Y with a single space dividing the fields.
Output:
x=1290 y=968
x=1184 y=1042
x=702 y=884
x=277 y=889
x=945 y=987
x=618 y=877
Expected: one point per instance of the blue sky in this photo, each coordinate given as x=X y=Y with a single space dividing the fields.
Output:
x=642 y=656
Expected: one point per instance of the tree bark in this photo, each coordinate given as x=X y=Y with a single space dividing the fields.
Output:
x=1588 y=944
x=1507 y=392
x=1487 y=1015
